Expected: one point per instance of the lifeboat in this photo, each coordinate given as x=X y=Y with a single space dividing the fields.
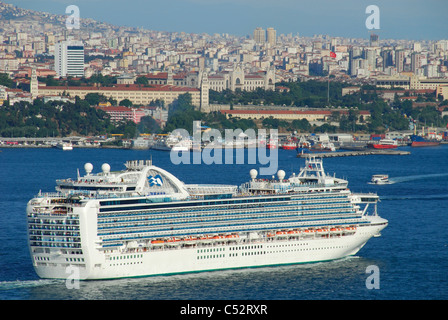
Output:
x=206 y=238
x=309 y=232
x=281 y=233
x=232 y=236
x=157 y=242
x=173 y=241
x=190 y=240
x=270 y=235
x=350 y=229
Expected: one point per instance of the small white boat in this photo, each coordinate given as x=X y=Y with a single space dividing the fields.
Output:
x=65 y=146
x=380 y=179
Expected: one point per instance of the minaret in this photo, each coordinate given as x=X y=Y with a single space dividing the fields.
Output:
x=169 y=80
x=204 y=92
x=34 y=84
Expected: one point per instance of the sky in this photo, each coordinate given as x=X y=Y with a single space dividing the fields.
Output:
x=398 y=19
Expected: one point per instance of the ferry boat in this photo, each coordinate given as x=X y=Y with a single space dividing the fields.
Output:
x=182 y=145
x=161 y=145
x=66 y=146
x=289 y=145
x=143 y=221
x=380 y=179
x=322 y=147
x=383 y=144
x=272 y=144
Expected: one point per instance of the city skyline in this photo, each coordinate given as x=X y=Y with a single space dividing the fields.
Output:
x=402 y=19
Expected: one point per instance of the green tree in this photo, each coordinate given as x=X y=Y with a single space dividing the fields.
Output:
x=6 y=81
x=142 y=80
x=126 y=103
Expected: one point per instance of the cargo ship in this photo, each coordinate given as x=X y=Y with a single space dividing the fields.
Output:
x=420 y=141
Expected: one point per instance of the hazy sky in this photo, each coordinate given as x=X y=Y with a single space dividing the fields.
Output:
x=399 y=19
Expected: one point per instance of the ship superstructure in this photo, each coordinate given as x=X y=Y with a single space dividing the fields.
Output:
x=144 y=221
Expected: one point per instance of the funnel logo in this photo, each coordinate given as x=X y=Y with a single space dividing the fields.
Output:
x=155 y=181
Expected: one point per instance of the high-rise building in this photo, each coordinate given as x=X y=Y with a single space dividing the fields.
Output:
x=416 y=61
x=370 y=57
x=69 y=59
x=271 y=36
x=399 y=60
x=259 y=35
x=374 y=40
x=388 y=59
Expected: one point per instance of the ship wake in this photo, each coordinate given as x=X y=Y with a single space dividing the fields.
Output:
x=19 y=284
x=416 y=177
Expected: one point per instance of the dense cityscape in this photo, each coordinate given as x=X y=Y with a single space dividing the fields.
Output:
x=100 y=80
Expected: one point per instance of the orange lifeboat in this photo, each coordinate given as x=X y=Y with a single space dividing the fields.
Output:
x=281 y=234
x=205 y=238
x=350 y=229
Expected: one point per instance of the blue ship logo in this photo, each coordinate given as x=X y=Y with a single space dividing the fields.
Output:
x=155 y=181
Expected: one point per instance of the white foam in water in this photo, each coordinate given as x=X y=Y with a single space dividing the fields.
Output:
x=17 y=284
x=416 y=177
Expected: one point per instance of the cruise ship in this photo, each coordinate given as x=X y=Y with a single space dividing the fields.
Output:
x=143 y=221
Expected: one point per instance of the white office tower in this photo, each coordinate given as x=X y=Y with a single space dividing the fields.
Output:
x=69 y=59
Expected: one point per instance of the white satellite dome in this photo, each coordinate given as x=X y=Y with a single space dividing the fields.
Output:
x=105 y=167
x=253 y=173
x=281 y=174
x=88 y=167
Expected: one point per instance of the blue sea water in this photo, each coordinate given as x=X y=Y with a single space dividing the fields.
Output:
x=411 y=255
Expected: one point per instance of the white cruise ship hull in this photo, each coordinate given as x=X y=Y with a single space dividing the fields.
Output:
x=145 y=222
x=166 y=261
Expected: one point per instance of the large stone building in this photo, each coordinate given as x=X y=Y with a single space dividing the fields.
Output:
x=237 y=79
x=411 y=82
x=137 y=94
x=310 y=115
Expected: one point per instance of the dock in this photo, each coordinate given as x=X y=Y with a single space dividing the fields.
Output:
x=354 y=153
